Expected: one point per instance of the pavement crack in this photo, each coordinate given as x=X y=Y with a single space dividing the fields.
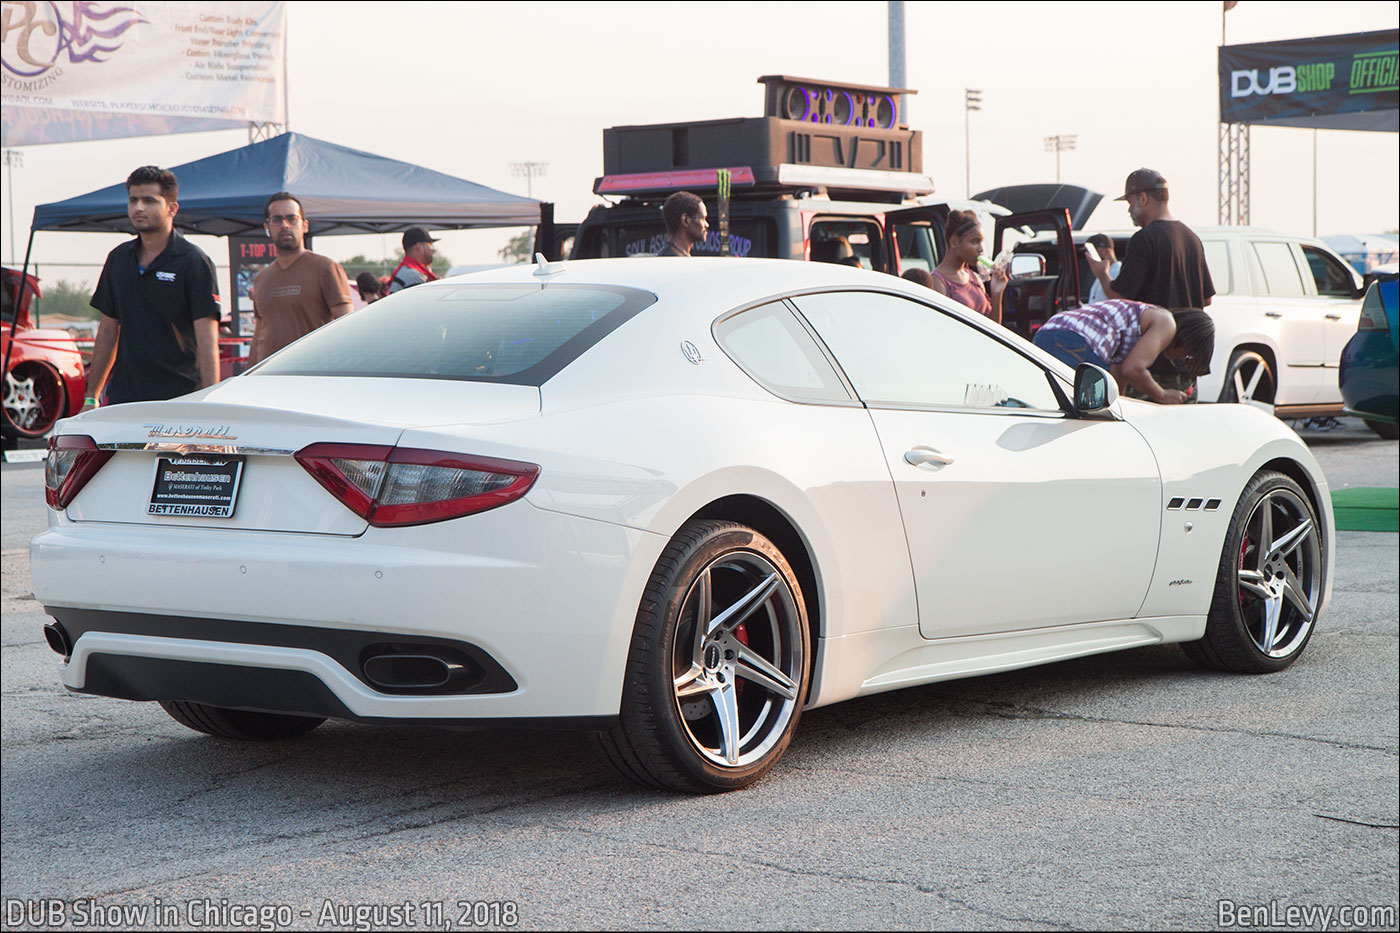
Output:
x=1340 y=819
x=1004 y=710
x=920 y=887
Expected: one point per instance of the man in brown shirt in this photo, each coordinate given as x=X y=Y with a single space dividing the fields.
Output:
x=300 y=290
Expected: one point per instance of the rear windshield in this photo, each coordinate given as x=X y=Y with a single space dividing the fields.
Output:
x=520 y=334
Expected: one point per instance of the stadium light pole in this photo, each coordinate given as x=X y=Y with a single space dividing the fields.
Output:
x=530 y=171
x=972 y=100
x=896 y=29
x=1057 y=144
x=13 y=160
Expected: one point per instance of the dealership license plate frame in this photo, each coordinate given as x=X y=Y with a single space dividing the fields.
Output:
x=195 y=500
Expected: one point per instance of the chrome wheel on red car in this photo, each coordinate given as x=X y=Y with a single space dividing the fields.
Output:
x=33 y=400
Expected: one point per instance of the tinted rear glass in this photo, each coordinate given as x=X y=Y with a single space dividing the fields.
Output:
x=520 y=334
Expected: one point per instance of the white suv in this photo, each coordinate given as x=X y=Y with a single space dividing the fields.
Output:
x=1284 y=308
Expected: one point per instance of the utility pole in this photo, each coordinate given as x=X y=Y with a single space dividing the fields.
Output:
x=972 y=100
x=13 y=160
x=530 y=171
x=1058 y=144
x=897 y=56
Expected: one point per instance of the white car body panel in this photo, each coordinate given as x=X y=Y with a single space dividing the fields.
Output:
x=633 y=438
x=485 y=584
x=966 y=521
x=1303 y=334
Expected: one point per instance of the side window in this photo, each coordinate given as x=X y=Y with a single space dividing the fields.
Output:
x=899 y=352
x=847 y=242
x=773 y=347
x=1218 y=262
x=1333 y=279
x=1280 y=271
x=916 y=246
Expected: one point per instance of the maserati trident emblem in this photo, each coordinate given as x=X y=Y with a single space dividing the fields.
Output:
x=184 y=431
x=692 y=352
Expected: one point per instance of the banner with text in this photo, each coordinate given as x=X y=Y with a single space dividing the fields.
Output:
x=88 y=70
x=1330 y=82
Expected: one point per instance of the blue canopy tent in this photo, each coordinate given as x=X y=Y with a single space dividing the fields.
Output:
x=342 y=190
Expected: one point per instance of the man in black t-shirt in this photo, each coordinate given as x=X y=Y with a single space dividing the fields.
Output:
x=1165 y=263
x=159 y=332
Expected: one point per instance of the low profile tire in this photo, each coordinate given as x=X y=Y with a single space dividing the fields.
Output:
x=1269 y=584
x=239 y=723
x=1249 y=380
x=1386 y=429
x=718 y=668
x=33 y=400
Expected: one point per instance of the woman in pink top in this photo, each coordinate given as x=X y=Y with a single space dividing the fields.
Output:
x=956 y=275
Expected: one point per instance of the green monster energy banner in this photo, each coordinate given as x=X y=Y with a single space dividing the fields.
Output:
x=1332 y=82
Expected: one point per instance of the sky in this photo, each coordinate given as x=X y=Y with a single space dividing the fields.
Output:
x=470 y=88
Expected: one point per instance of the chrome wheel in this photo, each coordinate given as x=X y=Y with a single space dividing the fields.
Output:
x=32 y=400
x=1249 y=381
x=1280 y=573
x=1270 y=581
x=737 y=660
x=717 y=672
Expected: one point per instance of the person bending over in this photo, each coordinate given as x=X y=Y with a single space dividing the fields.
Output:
x=1124 y=337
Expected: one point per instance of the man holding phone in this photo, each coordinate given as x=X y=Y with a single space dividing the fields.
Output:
x=1164 y=265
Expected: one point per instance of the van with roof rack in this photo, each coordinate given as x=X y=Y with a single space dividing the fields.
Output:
x=826 y=174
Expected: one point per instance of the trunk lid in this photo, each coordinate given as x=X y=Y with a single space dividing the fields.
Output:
x=247 y=419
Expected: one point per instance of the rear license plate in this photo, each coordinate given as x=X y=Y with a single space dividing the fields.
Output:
x=200 y=486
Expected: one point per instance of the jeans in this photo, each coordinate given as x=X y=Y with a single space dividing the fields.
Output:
x=1067 y=347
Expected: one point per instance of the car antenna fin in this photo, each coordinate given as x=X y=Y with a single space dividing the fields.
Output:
x=544 y=267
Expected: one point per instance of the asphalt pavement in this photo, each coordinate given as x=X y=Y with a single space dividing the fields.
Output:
x=1129 y=791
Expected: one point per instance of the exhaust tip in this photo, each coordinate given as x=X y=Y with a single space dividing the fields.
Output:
x=408 y=671
x=58 y=640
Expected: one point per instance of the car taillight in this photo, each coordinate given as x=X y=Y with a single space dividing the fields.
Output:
x=411 y=486
x=73 y=460
x=1372 y=319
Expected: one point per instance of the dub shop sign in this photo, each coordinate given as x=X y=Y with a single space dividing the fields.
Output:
x=1275 y=81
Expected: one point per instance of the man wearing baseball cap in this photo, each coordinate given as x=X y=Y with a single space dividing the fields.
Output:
x=1165 y=264
x=417 y=265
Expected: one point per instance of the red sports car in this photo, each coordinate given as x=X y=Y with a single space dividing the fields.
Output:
x=44 y=376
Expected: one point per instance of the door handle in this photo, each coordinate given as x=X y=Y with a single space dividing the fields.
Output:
x=1333 y=317
x=1272 y=314
x=922 y=455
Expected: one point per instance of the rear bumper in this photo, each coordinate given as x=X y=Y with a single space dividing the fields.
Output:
x=549 y=598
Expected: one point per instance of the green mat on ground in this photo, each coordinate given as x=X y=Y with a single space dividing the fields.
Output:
x=1367 y=509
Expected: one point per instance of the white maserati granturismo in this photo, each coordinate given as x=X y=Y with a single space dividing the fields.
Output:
x=671 y=502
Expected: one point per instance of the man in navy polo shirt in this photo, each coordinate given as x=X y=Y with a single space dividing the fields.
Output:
x=159 y=332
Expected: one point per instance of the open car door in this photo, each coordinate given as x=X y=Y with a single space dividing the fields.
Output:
x=1030 y=300
x=914 y=238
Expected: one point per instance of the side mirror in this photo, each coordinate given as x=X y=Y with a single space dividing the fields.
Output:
x=1094 y=390
x=1027 y=264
